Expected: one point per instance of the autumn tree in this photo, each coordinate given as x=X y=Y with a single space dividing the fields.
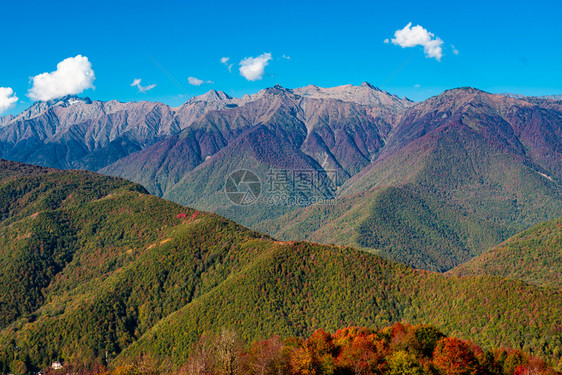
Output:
x=533 y=367
x=315 y=356
x=228 y=349
x=360 y=356
x=403 y=363
x=202 y=358
x=19 y=367
x=268 y=357
x=454 y=357
x=424 y=339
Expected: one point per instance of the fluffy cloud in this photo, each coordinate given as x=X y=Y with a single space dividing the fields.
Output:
x=418 y=36
x=252 y=68
x=7 y=98
x=137 y=83
x=195 y=81
x=73 y=75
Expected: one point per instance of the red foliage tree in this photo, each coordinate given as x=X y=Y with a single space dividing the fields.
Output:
x=455 y=357
x=360 y=356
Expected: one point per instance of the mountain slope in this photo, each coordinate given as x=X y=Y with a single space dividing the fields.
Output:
x=71 y=240
x=318 y=133
x=340 y=286
x=113 y=272
x=465 y=160
x=534 y=256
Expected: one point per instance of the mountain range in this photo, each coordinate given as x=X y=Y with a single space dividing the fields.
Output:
x=430 y=184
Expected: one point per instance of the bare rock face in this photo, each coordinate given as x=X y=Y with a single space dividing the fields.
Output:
x=68 y=132
x=6 y=119
x=341 y=128
x=99 y=133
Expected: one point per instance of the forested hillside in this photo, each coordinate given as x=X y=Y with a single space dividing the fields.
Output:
x=533 y=256
x=112 y=273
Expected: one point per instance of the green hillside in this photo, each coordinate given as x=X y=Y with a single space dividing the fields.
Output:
x=113 y=272
x=297 y=288
x=434 y=204
x=534 y=256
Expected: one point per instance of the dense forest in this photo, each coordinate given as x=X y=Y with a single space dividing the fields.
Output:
x=533 y=256
x=113 y=274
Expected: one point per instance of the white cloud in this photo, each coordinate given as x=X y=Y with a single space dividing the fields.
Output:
x=195 y=81
x=137 y=83
x=455 y=51
x=286 y=57
x=253 y=68
x=73 y=75
x=417 y=85
x=7 y=98
x=225 y=60
x=418 y=36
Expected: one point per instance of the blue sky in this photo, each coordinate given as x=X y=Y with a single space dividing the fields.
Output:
x=502 y=46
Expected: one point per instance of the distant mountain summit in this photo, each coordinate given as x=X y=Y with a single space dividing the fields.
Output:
x=39 y=107
x=103 y=132
x=365 y=94
x=519 y=96
x=211 y=96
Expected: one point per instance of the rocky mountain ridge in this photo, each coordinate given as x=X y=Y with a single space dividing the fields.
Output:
x=74 y=132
